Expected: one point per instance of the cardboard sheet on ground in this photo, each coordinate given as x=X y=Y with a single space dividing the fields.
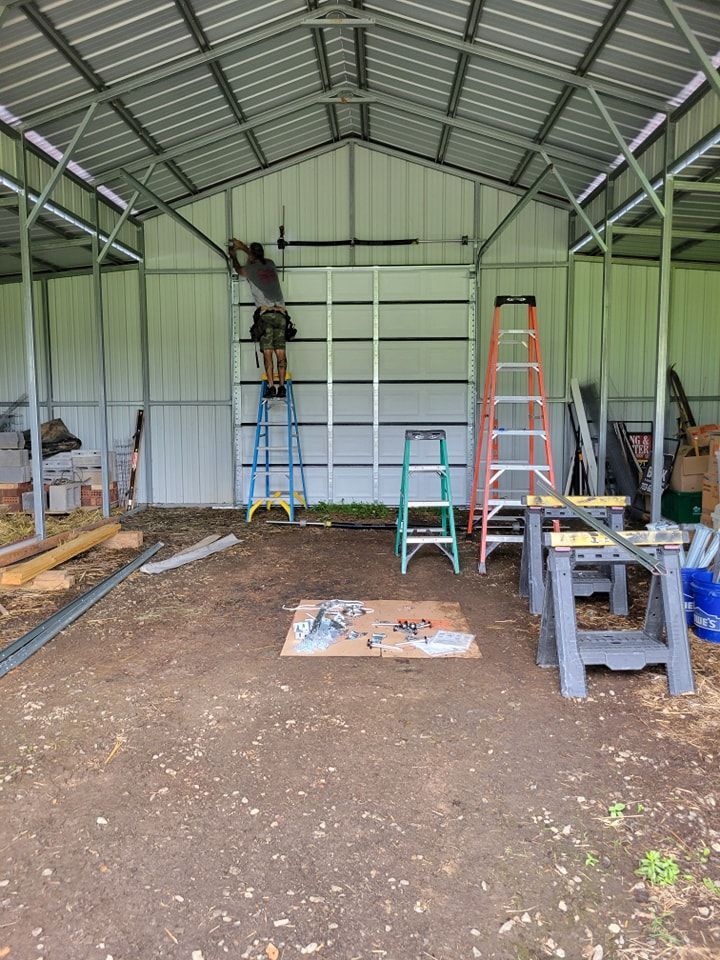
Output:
x=443 y=616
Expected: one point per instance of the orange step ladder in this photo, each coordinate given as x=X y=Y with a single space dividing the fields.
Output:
x=491 y=454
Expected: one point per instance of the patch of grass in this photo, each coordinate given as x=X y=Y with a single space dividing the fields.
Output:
x=659 y=930
x=591 y=860
x=352 y=511
x=616 y=810
x=710 y=885
x=658 y=870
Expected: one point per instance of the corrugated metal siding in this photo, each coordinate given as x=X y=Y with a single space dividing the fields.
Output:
x=538 y=235
x=397 y=199
x=169 y=245
x=694 y=339
x=189 y=357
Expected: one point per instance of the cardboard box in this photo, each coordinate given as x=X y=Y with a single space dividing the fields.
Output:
x=689 y=471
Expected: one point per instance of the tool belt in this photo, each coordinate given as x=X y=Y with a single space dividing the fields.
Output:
x=258 y=326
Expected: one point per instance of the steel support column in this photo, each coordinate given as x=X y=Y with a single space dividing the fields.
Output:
x=28 y=308
x=102 y=368
x=145 y=371
x=604 y=341
x=663 y=324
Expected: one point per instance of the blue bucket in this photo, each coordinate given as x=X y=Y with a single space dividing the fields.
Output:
x=687 y=574
x=706 y=618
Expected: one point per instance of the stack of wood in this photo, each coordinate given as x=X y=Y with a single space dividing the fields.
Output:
x=33 y=566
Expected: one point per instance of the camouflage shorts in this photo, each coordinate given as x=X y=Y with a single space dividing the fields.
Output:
x=273 y=336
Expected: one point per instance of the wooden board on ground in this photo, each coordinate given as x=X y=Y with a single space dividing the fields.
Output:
x=8 y=555
x=22 y=572
x=125 y=540
x=443 y=616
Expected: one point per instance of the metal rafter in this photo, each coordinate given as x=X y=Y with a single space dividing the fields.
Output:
x=595 y=48
x=693 y=43
x=66 y=50
x=361 y=70
x=324 y=71
x=402 y=26
x=219 y=76
x=472 y=22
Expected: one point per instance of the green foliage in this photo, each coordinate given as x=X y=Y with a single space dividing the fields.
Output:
x=704 y=855
x=617 y=810
x=710 y=885
x=591 y=860
x=352 y=511
x=658 y=870
x=659 y=931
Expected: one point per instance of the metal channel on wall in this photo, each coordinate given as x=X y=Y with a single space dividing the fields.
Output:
x=322 y=396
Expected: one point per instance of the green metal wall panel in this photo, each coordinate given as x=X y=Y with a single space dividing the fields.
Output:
x=312 y=198
x=169 y=245
x=538 y=235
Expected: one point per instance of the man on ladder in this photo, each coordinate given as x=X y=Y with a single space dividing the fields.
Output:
x=264 y=284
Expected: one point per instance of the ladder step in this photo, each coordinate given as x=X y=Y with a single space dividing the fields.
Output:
x=516 y=330
x=509 y=399
x=504 y=538
x=504 y=502
x=514 y=465
x=428 y=503
x=505 y=365
x=427 y=468
x=429 y=540
x=283 y=447
x=503 y=432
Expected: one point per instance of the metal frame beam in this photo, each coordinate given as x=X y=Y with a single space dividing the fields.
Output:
x=219 y=76
x=472 y=22
x=573 y=202
x=125 y=214
x=102 y=362
x=28 y=308
x=703 y=59
x=165 y=208
x=405 y=27
x=630 y=157
x=516 y=210
x=604 y=341
x=361 y=71
x=323 y=68
x=61 y=165
x=593 y=51
x=40 y=20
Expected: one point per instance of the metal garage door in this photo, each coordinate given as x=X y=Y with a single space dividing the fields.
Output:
x=379 y=349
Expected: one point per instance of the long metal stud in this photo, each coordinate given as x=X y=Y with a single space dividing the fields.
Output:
x=605 y=340
x=145 y=371
x=102 y=365
x=376 y=385
x=28 y=307
x=330 y=447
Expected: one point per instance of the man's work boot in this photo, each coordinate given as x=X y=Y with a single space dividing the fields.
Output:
x=269 y=392
x=281 y=392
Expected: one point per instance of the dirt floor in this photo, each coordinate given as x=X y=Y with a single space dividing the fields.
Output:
x=171 y=788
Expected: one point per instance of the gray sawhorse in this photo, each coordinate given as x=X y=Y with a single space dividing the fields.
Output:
x=611 y=580
x=663 y=638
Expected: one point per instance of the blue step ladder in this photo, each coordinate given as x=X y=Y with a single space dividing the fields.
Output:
x=286 y=498
x=444 y=536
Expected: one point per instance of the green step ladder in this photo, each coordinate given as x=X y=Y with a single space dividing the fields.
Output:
x=444 y=536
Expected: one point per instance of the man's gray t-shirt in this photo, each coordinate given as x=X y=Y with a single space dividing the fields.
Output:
x=264 y=284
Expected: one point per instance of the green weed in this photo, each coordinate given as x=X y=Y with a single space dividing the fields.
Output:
x=591 y=860
x=658 y=870
x=617 y=810
x=710 y=885
x=659 y=931
x=353 y=510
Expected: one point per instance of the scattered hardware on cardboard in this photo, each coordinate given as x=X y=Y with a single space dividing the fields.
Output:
x=378 y=628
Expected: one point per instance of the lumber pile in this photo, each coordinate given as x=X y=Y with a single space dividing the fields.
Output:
x=21 y=573
x=9 y=556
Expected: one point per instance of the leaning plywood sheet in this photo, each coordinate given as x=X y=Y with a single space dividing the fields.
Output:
x=22 y=572
x=442 y=616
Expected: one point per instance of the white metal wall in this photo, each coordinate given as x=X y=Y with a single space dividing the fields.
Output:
x=347 y=192
x=381 y=349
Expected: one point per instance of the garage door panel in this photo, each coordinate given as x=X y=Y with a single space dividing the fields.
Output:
x=310 y=402
x=392 y=445
x=352 y=361
x=313 y=439
x=426 y=487
x=352 y=320
x=423 y=360
x=304 y=285
x=352 y=285
x=317 y=489
x=307 y=361
x=423 y=320
x=352 y=484
x=438 y=403
x=414 y=284
x=353 y=444
x=352 y=402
